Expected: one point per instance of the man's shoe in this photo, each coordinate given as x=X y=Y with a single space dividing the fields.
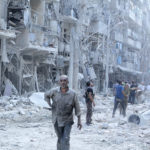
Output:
x=89 y=124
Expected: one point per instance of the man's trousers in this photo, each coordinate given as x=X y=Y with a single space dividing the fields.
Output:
x=63 y=134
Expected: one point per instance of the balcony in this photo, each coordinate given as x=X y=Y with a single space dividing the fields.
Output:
x=138 y=45
x=139 y=21
x=134 y=44
x=132 y=16
x=37 y=50
x=131 y=42
x=68 y=19
x=132 y=35
x=98 y=27
x=129 y=67
x=35 y=44
x=7 y=34
x=117 y=36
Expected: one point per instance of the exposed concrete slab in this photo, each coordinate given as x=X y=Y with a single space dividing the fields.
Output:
x=32 y=49
x=7 y=34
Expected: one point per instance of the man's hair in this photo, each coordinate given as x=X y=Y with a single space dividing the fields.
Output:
x=64 y=77
x=120 y=82
x=88 y=83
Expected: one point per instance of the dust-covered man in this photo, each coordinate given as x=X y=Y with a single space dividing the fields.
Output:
x=63 y=101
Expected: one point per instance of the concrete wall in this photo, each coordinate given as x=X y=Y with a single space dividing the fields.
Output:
x=37 y=11
x=3 y=13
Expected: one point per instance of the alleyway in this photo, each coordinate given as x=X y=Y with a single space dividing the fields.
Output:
x=28 y=127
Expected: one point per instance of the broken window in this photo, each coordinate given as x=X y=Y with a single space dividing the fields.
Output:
x=66 y=34
x=18 y=15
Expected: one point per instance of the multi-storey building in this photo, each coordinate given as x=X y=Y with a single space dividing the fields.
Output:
x=99 y=40
x=120 y=47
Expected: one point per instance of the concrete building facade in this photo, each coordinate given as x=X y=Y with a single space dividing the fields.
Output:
x=98 y=40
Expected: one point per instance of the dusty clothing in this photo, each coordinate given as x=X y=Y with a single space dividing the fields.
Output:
x=132 y=89
x=63 y=134
x=132 y=93
x=89 y=112
x=88 y=90
x=89 y=105
x=126 y=96
x=119 y=99
x=63 y=105
x=122 y=104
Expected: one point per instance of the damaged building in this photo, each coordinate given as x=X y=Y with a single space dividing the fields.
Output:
x=98 y=40
x=113 y=43
x=31 y=64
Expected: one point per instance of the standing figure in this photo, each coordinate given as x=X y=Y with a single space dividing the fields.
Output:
x=89 y=97
x=63 y=100
x=133 y=89
x=119 y=99
x=126 y=93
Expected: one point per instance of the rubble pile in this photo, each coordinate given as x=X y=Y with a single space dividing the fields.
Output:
x=17 y=108
x=33 y=129
x=11 y=103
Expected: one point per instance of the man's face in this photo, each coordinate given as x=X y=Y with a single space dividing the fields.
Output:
x=91 y=84
x=63 y=82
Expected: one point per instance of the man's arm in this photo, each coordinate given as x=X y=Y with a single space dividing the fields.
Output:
x=91 y=98
x=122 y=90
x=124 y=93
x=79 y=122
x=47 y=97
x=77 y=111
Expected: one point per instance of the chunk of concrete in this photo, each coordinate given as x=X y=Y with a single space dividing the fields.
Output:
x=134 y=119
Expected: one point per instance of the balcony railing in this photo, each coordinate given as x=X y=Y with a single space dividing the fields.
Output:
x=98 y=27
x=118 y=36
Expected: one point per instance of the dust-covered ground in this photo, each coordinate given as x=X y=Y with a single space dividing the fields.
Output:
x=24 y=126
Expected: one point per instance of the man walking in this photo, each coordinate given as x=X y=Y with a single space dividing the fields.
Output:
x=63 y=100
x=119 y=98
x=89 y=97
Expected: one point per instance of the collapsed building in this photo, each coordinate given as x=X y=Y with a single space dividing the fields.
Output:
x=33 y=52
x=96 y=40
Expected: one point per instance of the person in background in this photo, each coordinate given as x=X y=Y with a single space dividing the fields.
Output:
x=126 y=93
x=89 y=97
x=133 y=89
x=119 y=99
x=114 y=88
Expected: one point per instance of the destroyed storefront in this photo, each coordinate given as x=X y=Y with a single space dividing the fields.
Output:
x=125 y=75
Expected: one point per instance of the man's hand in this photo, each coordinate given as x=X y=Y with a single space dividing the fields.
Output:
x=93 y=103
x=79 y=126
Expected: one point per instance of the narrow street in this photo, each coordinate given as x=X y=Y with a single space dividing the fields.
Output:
x=28 y=127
